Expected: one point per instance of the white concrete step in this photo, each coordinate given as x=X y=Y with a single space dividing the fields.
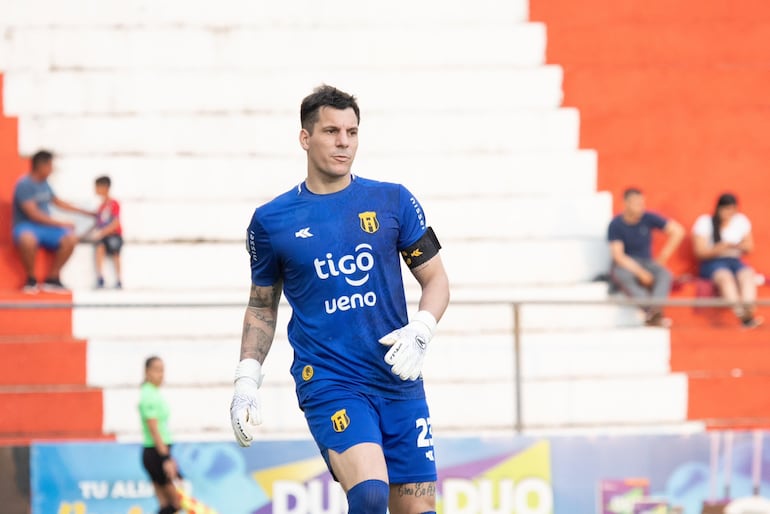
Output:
x=46 y=93
x=202 y=361
x=262 y=13
x=455 y=406
x=622 y=400
x=189 y=361
x=276 y=135
x=211 y=266
x=259 y=178
x=139 y=316
x=495 y=217
x=202 y=409
x=561 y=403
x=173 y=47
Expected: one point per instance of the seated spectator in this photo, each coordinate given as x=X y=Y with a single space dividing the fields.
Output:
x=720 y=240
x=634 y=270
x=34 y=227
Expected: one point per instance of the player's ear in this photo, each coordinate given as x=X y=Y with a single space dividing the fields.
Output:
x=304 y=135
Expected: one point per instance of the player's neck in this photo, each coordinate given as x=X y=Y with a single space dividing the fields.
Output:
x=327 y=185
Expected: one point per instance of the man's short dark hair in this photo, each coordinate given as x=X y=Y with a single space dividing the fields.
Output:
x=325 y=96
x=631 y=191
x=41 y=157
x=104 y=180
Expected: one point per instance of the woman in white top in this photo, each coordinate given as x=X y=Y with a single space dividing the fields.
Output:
x=720 y=240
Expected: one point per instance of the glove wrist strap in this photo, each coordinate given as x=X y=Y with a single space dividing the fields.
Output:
x=249 y=368
x=427 y=319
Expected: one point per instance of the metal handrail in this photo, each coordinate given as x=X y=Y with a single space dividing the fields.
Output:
x=516 y=305
x=629 y=302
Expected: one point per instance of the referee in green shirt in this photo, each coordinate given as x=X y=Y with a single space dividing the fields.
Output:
x=156 y=455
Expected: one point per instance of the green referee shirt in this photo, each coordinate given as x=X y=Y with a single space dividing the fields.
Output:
x=152 y=405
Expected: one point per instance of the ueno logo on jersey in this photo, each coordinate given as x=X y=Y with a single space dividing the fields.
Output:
x=354 y=269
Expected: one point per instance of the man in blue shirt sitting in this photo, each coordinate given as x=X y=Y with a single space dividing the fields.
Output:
x=34 y=227
x=634 y=270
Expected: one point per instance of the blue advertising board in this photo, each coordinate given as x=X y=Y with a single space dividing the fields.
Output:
x=517 y=475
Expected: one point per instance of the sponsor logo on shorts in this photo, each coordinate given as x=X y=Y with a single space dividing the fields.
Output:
x=307 y=372
x=340 y=420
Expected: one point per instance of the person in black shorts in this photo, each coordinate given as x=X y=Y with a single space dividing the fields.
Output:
x=108 y=232
x=156 y=454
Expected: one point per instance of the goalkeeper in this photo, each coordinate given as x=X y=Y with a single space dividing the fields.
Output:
x=333 y=245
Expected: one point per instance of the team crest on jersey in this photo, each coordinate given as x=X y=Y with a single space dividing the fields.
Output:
x=368 y=221
x=340 y=420
x=307 y=372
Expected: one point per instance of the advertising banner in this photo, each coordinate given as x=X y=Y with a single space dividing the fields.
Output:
x=656 y=474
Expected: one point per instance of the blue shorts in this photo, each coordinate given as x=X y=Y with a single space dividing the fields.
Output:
x=339 y=418
x=707 y=268
x=48 y=236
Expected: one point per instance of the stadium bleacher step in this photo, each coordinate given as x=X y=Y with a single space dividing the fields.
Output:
x=37 y=361
x=40 y=411
x=41 y=314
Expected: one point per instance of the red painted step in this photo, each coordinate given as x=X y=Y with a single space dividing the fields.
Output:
x=26 y=440
x=657 y=43
x=632 y=89
x=8 y=137
x=727 y=398
x=720 y=351
x=607 y=11
x=12 y=273
x=688 y=132
x=42 y=411
x=16 y=320
x=49 y=361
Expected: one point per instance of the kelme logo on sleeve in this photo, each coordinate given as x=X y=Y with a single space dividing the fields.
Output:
x=340 y=420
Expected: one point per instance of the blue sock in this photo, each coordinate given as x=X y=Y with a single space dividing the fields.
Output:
x=368 y=497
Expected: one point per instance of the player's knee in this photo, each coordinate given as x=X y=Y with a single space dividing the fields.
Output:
x=368 y=497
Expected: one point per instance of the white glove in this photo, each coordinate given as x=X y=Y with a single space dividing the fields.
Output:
x=245 y=408
x=409 y=344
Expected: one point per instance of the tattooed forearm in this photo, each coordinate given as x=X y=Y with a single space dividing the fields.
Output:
x=259 y=322
x=418 y=489
x=265 y=297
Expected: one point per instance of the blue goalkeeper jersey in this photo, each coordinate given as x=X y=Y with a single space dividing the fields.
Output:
x=338 y=256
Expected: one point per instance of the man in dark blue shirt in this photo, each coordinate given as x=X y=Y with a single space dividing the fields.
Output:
x=634 y=270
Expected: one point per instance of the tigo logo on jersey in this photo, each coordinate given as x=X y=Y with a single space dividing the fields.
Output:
x=347 y=265
x=368 y=222
x=340 y=420
x=355 y=270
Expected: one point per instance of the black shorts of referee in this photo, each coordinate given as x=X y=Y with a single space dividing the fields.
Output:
x=153 y=463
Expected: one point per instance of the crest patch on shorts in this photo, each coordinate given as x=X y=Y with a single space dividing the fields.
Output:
x=340 y=420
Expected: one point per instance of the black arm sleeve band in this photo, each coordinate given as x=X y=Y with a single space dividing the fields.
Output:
x=423 y=250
